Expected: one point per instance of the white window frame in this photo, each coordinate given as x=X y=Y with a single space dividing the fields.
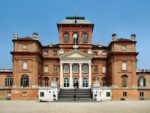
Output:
x=123 y=48
x=45 y=68
x=46 y=52
x=24 y=47
x=104 y=69
x=124 y=66
x=25 y=65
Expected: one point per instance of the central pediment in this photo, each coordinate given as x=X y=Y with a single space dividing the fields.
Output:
x=75 y=54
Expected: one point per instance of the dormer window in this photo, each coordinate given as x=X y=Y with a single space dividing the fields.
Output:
x=66 y=38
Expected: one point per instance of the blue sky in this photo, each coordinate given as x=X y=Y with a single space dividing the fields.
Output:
x=122 y=17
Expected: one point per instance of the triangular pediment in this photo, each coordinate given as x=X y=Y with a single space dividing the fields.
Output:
x=75 y=54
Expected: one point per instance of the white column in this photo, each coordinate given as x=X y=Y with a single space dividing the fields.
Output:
x=71 y=79
x=80 y=75
x=61 y=75
x=89 y=84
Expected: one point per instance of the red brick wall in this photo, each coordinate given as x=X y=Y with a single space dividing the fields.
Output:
x=31 y=94
x=117 y=94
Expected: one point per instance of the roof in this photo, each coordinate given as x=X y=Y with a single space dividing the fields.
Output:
x=94 y=46
x=143 y=71
x=52 y=46
x=6 y=71
x=123 y=39
x=25 y=38
x=75 y=20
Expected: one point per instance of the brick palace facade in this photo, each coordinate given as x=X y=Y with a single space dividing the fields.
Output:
x=74 y=62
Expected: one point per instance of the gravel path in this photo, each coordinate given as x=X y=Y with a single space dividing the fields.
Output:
x=74 y=107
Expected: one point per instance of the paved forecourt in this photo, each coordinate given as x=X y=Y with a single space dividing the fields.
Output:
x=74 y=107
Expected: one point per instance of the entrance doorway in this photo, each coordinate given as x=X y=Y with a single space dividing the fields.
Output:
x=75 y=82
x=85 y=82
x=66 y=82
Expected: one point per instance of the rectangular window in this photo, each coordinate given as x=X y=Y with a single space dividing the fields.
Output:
x=24 y=47
x=123 y=48
x=95 y=69
x=54 y=52
x=45 y=52
x=104 y=69
x=124 y=94
x=107 y=94
x=141 y=94
x=124 y=66
x=8 y=81
x=45 y=68
x=55 y=68
x=25 y=65
x=95 y=53
x=41 y=94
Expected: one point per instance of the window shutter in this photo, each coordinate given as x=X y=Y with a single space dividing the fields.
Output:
x=144 y=82
x=11 y=81
x=138 y=82
x=21 y=81
x=5 y=81
x=27 y=81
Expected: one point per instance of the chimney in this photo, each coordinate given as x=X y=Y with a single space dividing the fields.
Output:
x=15 y=35
x=99 y=44
x=114 y=36
x=133 y=37
x=51 y=44
x=35 y=36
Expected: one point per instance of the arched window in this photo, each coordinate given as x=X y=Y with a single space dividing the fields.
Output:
x=75 y=38
x=84 y=38
x=75 y=68
x=141 y=81
x=85 y=82
x=66 y=82
x=124 y=80
x=66 y=68
x=66 y=38
x=85 y=68
x=8 y=81
x=104 y=79
x=24 y=81
x=46 y=82
x=75 y=82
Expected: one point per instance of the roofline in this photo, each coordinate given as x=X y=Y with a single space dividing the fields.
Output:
x=58 y=24
x=122 y=53
x=125 y=41
x=21 y=40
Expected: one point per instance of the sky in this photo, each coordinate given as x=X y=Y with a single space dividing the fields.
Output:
x=122 y=17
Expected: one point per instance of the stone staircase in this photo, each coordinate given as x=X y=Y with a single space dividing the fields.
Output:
x=75 y=95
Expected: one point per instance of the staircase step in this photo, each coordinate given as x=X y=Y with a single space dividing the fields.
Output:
x=81 y=95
